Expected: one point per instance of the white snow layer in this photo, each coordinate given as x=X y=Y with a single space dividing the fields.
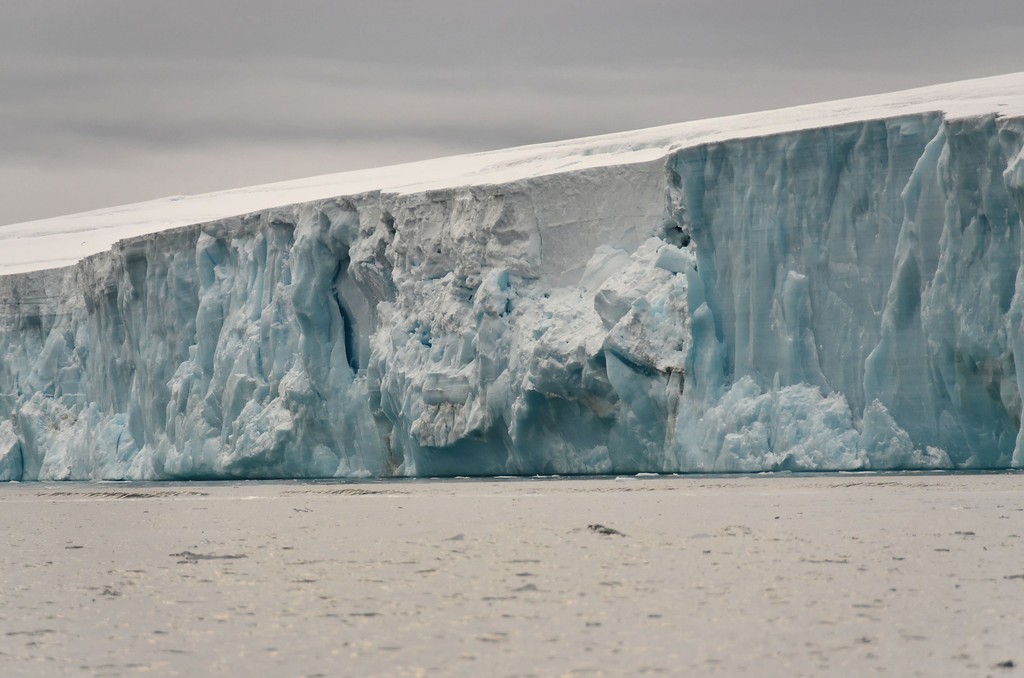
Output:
x=825 y=287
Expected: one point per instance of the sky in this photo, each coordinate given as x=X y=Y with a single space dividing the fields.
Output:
x=106 y=102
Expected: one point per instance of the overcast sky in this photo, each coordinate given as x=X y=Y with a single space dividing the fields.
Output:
x=105 y=102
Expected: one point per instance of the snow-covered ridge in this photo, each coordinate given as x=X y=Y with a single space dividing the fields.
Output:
x=828 y=287
x=60 y=241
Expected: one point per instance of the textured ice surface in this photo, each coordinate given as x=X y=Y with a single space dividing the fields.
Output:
x=829 y=287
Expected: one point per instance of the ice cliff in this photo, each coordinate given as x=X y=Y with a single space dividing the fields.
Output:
x=834 y=286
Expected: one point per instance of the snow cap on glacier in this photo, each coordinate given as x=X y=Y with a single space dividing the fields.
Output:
x=61 y=241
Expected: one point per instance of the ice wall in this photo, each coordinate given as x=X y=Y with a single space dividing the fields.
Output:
x=836 y=298
x=875 y=261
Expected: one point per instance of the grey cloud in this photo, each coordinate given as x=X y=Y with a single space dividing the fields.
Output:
x=528 y=32
x=157 y=105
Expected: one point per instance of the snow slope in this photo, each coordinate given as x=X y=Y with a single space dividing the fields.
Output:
x=824 y=287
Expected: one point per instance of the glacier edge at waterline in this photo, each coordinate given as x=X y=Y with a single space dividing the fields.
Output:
x=836 y=297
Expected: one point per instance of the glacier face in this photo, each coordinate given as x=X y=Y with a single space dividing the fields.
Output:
x=845 y=297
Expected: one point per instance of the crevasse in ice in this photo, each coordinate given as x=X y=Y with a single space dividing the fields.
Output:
x=838 y=297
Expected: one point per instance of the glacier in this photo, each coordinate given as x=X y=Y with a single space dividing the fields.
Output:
x=829 y=287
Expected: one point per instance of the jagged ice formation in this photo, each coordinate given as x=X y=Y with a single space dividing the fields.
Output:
x=833 y=286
